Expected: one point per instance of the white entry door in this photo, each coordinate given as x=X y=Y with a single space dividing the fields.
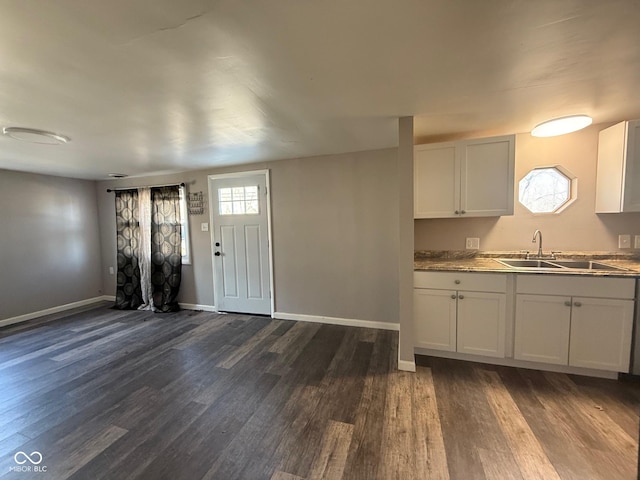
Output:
x=239 y=214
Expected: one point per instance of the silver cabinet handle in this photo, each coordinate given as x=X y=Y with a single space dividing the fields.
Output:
x=577 y=304
x=460 y=297
x=567 y=303
x=457 y=282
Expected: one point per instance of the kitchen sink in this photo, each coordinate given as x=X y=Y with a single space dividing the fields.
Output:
x=586 y=265
x=519 y=263
x=558 y=264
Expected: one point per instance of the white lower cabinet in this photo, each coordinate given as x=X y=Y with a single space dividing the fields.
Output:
x=569 y=320
x=542 y=329
x=435 y=314
x=458 y=320
x=481 y=323
x=555 y=324
x=601 y=333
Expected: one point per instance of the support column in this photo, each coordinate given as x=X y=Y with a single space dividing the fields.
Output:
x=406 y=359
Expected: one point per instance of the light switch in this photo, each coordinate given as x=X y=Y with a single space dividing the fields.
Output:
x=204 y=227
x=636 y=241
x=111 y=271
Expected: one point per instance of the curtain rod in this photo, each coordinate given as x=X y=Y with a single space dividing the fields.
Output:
x=146 y=186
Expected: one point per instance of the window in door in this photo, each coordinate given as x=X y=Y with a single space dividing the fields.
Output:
x=238 y=200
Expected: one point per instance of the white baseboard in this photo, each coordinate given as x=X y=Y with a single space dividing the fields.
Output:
x=512 y=362
x=349 y=322
x=195 y=306
x=49 y=311
x=185 y=306
x=406 y=365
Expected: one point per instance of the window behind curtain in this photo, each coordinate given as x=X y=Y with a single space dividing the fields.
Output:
x=184 y=231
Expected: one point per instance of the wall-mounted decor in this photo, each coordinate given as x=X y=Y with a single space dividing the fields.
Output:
x=196 y=203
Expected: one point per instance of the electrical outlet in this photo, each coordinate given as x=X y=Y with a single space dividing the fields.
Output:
x=624 y=241
x=473 y=243
x=636 y=241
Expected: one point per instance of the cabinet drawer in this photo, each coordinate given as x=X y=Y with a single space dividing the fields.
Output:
x=598 y=287
x=478 y=282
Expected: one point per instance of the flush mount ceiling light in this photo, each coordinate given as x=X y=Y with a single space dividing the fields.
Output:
x=34 y=135
x=118 y=175
x=560 y=126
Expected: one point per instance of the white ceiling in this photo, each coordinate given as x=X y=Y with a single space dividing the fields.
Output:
x=146 y=86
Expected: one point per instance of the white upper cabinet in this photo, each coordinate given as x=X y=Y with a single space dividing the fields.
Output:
x=487 y=177
x=618 y=173
x=469 y=178
x=436 y=181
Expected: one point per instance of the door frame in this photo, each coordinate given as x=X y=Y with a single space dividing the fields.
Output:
x=210 y=179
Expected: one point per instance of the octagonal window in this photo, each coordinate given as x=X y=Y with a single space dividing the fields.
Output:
x=545 y=190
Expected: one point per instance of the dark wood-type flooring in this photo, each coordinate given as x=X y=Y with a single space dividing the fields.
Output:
x=106 y=394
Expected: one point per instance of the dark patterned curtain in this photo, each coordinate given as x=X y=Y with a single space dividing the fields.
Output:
x=166 y=247
x=128 y=293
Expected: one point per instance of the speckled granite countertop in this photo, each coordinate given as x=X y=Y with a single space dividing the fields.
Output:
x=474 y=261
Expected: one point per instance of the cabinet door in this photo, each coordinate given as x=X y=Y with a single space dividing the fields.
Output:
x=434 y=319
x=542 y=328
x=487 y=176
x=618 y=168
x=610 y=169
x=601 y=334
x=436 y=177
x=632 y=169
x=481 y=323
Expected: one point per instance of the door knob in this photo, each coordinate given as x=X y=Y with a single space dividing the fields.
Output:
x=217 y=254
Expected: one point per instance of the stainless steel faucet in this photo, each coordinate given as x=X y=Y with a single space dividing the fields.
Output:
x=538 y=234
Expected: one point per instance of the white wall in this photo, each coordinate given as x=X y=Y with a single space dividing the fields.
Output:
x=576 y=228
x=49 y=242
x=335 y=235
